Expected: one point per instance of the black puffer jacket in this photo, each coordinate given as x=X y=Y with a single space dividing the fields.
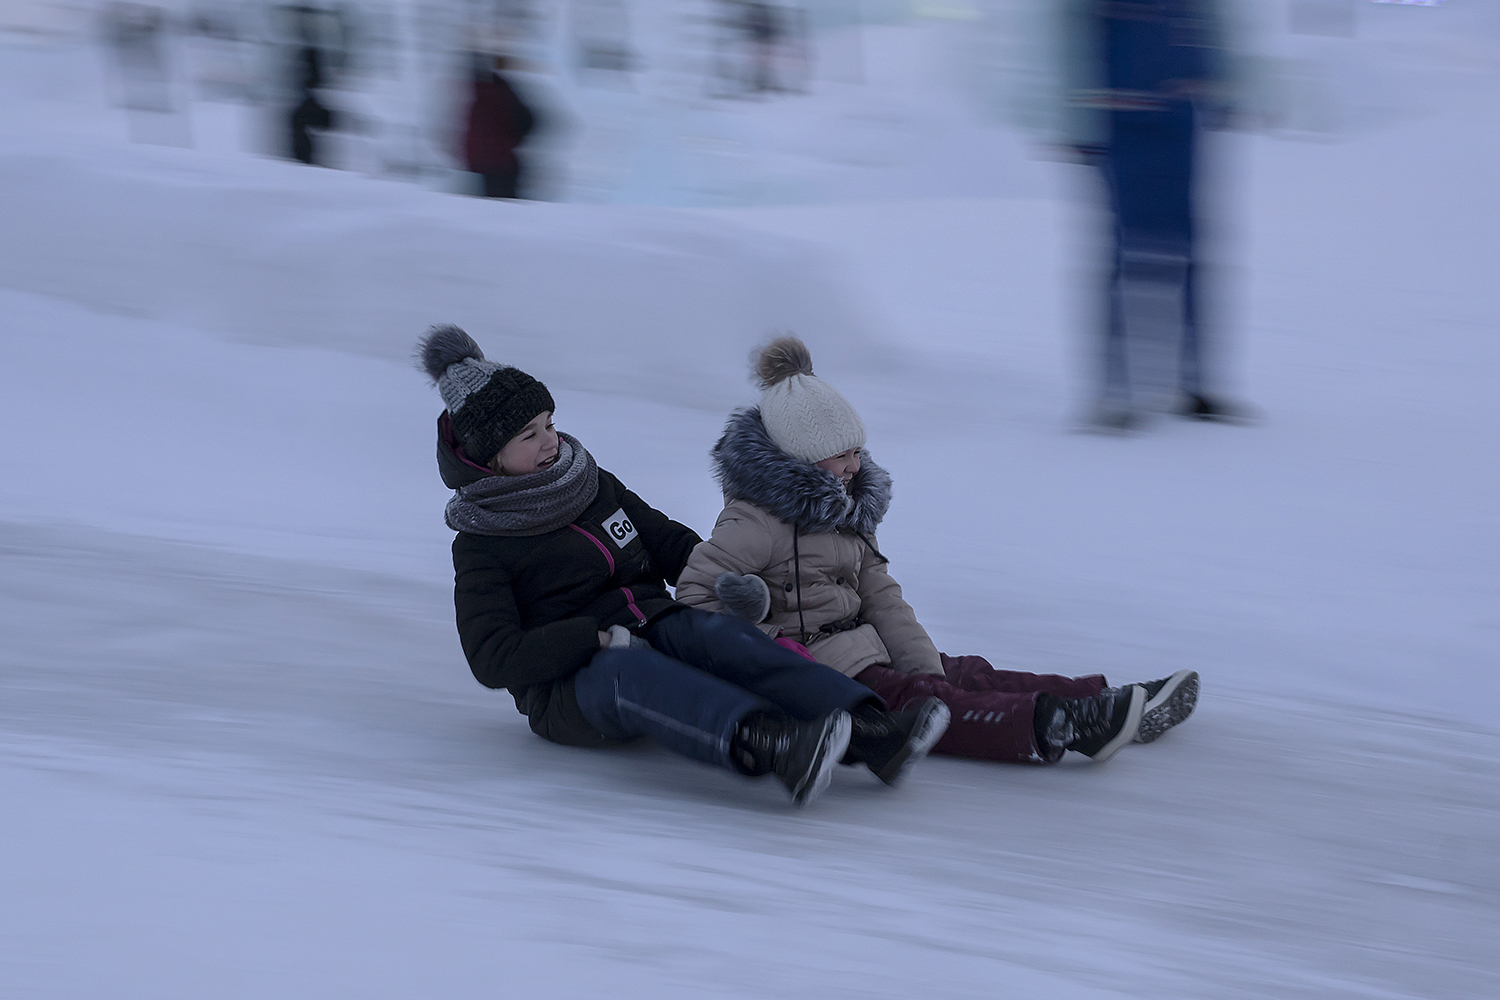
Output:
x=530 y=609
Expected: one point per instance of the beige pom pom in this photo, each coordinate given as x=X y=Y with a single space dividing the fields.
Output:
x=780 y=360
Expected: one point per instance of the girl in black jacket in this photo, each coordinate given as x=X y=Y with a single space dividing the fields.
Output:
x=561 y=593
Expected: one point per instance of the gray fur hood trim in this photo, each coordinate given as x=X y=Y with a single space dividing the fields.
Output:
x=750 y=467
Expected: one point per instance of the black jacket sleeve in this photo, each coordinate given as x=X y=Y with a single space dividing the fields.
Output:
x=668 y=542
x=500 y=652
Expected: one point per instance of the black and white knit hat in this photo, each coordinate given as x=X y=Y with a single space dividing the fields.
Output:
x=487 y=402
x=806 y=417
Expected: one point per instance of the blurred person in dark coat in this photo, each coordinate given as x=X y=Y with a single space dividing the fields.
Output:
x=762 y=25
x=498 y=122
x=308 y=71
x=1141 y=78
x=308 y=113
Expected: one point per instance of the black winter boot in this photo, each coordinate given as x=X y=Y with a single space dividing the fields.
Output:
x=1095 y=727
x=1168 y=702
x=801 y=754
x=1195 y=406
x=889 y=743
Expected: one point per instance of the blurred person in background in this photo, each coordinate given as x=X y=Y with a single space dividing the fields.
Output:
x=308 y=69
x=762 y=27
x=496 y=125
x=1140 y=78
x=759 y=49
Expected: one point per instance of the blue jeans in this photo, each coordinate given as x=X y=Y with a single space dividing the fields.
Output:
x=1149 y=171
x=705 y=673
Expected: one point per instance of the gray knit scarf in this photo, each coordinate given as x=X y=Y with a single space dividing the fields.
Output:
x=533 y=504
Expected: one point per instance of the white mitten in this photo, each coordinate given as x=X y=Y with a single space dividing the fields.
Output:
x=621 y=637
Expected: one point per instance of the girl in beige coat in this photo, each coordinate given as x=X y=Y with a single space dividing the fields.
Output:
x=795 y=552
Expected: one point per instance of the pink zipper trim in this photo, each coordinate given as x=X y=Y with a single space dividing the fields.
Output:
x=630 y=603
x=472 y=464
x=629 y=597
x=598 y=545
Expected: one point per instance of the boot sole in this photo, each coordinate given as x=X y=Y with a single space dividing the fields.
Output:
x=832 y=743
x=1172 y=704
x=930 y=729
x=1129 y=729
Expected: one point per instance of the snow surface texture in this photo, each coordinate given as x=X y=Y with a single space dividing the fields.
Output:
x=241 y=755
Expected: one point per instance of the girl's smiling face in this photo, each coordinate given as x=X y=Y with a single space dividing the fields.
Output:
x=533 y=448
x=844 y=465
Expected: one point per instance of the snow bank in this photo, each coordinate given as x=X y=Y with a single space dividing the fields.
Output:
x=628 y=301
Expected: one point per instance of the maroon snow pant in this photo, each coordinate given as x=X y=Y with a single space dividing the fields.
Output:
x=994 y=711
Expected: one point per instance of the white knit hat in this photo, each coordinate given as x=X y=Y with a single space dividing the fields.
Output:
x=806 y=417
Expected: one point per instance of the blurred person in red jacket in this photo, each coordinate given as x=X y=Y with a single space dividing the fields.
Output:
x=497 y=123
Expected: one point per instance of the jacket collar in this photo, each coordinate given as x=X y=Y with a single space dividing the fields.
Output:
x=750 y=467
x=456 y=468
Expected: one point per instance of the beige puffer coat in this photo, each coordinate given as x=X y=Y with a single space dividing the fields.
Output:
x=828 y=577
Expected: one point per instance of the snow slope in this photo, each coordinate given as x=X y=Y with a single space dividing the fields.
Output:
x=241 y=755
x=242 y=777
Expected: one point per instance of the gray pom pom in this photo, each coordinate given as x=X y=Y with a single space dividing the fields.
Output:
x=444 y=346
x=781 y=359
x=745 y=597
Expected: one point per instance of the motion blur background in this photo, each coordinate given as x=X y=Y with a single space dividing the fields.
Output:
x=240 y=752
x=694 y=102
